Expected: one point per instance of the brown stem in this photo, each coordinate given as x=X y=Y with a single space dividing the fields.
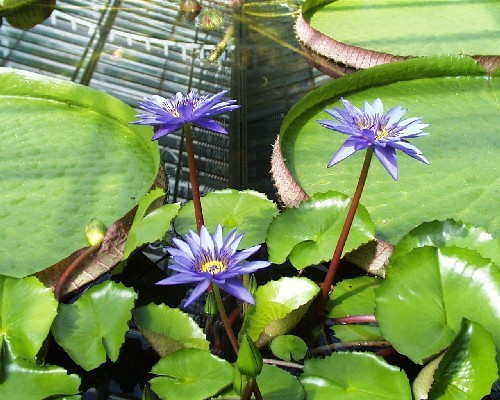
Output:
x=72 y=267
x=225 y=320
x=193 y=176
x=330 y=275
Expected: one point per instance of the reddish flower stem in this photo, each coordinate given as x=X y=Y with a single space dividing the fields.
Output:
x=72 y=268
x=337 y=255
x=355 y=319
x=193 y=176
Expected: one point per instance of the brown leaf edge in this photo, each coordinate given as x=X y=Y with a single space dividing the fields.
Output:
x=336 y=59
x=109 y=254
x=373 y=257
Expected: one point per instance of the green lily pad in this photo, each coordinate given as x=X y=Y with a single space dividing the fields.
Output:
x=458 y=137
x=363 y=34
x=274 y=384
x=421 y=302
x=279 y=306
x=190 y=374
x=88 y=331
x=169 y=329
x=25 y=14
x=468 y=368
x=249 y=211
x=29 y=381
x=308 y=234
x=288 y=347
x=27 y=309
x=68 y=154
x=354 y=376
x=450 y=233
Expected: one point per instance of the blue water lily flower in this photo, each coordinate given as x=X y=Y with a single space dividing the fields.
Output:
x=371 y=128
x=172 y=114
x=205 y=259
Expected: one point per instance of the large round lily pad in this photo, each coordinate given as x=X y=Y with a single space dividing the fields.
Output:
x=67 y=154
x=362 y=33
x=458 y=100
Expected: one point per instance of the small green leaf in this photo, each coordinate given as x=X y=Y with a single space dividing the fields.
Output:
x=468 y=369
x=28 y=381
x=426 y=293
x=450 y=233
x=190 y=374
x=151 y=228
x=94 y=326
x=249 y=211
x=354 y=376
x=169 y=329
x=308 y=234
x=288 y=347
x=27 y=309
x=279 y=307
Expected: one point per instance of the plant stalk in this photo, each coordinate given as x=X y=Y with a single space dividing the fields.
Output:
x=337 y=255
x=193 y=176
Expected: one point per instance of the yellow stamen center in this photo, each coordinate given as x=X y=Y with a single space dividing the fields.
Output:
x=213 y=267
x=381 y=134
x=175 y=113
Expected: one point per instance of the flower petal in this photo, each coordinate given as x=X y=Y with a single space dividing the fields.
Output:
x=180 y=278
x=237 y=289
x=210 y=124
x=197 y=292
x=387 y=156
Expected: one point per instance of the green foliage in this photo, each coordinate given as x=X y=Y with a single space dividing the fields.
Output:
x=354 y=376
x=354 y=297
x=450 y=233
x=279 y=307
x=27 y=310
x=29 y=381
x=420 y=304
x=150 y=226
x=288 y=347
x=169 y=329
x=249 y=211
x=88 y=331
x=307 y=234
x=406 y=28
x=444 y=189
x=103 y=167
x=190 y=374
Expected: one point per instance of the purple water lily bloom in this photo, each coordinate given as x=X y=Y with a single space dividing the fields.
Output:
x=172 y=114
x=371 y=128
x=205 y=259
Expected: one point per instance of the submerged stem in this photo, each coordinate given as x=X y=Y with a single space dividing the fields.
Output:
x=193 y=176
x=225 y=320
x=330 y=275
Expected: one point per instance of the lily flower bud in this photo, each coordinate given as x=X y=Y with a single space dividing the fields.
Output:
x=249 y=360
x=95 y=232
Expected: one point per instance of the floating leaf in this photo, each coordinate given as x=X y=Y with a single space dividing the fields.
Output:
x=420 y=304
x=69 y=154
x=151 y=228
x=249 y=211
x=421 y=85
x=25 y=14
x=27 y=310
x=190 y=374
x=308 y=234
x=279 y=307
x=468 y=369
x=94 y=326
x=450 y=233
x=354 y=376
x=274 y=384
x=28 y=381
x=169 y=329
x=288 y=347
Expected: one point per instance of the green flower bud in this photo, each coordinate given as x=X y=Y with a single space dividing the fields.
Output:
x=249 y=360
x=95 y=232
x=239 y=381
x=252 y=284
x=211 y=304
